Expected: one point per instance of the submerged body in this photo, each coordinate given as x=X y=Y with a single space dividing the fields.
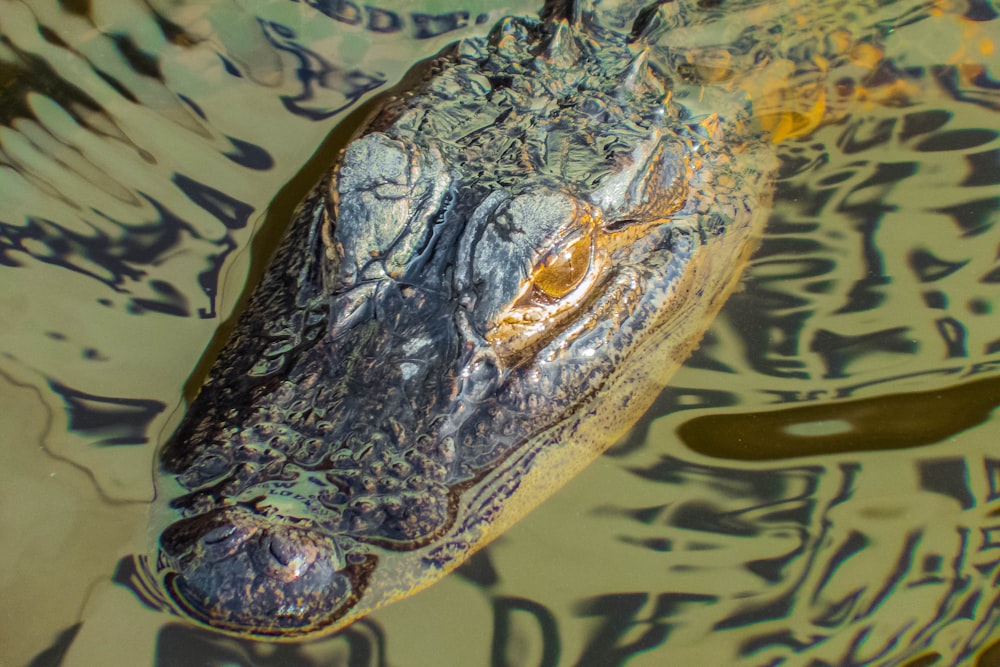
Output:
x=487 y=290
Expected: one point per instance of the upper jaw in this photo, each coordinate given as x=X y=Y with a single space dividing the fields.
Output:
x=242 y=572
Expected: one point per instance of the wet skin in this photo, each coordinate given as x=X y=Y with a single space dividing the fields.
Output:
x=486 y=291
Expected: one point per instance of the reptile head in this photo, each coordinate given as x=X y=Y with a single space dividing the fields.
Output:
x=488 y=289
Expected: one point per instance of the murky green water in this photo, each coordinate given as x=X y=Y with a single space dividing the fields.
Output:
x=818 y=486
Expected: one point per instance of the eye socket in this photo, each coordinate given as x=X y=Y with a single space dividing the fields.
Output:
x=559 y=273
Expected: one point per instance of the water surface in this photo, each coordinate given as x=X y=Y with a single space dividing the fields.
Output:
x=818 y=485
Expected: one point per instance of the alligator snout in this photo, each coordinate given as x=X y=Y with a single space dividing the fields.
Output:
x=245 y=572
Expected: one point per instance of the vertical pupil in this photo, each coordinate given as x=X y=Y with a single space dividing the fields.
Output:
x=560 y=273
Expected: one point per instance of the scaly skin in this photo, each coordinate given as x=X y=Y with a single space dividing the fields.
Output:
x=488 y=289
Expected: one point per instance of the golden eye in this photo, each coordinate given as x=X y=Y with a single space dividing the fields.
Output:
x=560 y=272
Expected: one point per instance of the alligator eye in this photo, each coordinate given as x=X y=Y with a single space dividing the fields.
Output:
x=560 y=272
x=546 y=301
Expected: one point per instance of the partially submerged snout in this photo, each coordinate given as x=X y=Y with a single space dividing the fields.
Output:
x=241 y=572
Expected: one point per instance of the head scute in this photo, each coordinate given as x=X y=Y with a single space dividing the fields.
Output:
x=561 y=48
x=554 y=106
x=639 y=78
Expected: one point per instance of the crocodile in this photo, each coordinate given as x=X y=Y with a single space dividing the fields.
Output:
x=488 y=289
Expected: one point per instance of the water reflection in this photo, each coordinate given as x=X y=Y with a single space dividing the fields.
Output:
x=134 y=168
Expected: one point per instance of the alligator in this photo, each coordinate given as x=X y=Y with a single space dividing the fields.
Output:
x=487 y=290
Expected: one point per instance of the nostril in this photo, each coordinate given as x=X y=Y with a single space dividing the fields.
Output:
x=224 y=541
x=280 y=552
x=218 y=535
x=283 y=557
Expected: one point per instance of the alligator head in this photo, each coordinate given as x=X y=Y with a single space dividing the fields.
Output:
x=487 y=290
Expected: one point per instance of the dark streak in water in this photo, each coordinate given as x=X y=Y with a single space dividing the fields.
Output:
x=107 y=420
x=895 y=421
